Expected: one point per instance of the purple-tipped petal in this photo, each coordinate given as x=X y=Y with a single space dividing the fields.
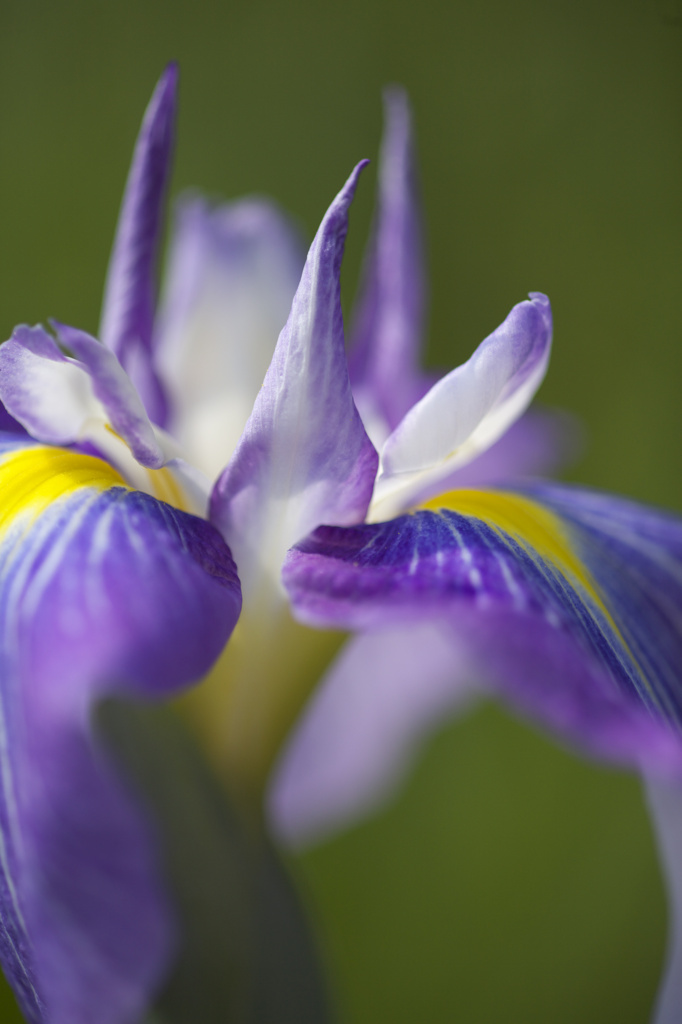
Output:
x=105 y=592
x=54 y=396
x=304 y=457
x=130 y=292
x=665 y=805
x=570 y=602
x=468 y=409
x=233 y=273
x=358 y=736
x=389 y=321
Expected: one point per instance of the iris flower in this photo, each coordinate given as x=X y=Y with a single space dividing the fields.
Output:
x=355 y=496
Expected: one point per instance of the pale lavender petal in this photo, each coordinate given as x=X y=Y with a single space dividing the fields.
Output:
x=54 y=396
x=130 y=291
x=304 y=457
x=232 y=276
x=360 y=732
x=104 y=592
x=468 y=409
x=569 y=601
x=389 y=322
x=665 y=805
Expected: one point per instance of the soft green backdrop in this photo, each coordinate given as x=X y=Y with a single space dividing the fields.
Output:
x=510 y=882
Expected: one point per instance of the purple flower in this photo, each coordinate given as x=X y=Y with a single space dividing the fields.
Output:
x=355 y=495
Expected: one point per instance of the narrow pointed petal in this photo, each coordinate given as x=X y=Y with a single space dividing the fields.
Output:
x=105 y=592
x=665 y=805
x=468 y=409
x=304 y=457
x=130 y=292
x=54 y=396
x=233 y=273
x=569 y=602
x=360 y=732
x=389 y=322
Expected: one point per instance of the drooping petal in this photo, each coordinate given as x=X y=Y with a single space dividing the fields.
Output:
x=356 y=739
x=232 y=276
x=105 y=591
x=665 y=804
x=569 y=601
x=389 y=322
x=130 y=292
x=54 y=396
x=304 y=457
x=468 y=409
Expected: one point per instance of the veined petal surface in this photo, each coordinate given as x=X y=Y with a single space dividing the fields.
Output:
x=569 y=601
x=388 y=325
x=232 y=275
x=130 y=291
x=304 y=457
x=56 y=397
x=104 y=592
x=467 y=410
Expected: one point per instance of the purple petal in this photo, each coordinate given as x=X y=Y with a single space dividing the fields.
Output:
x=665 y=805
x=105 y=591
x=389 y=322
x=53 y=396
x=360 y=732
x=304 y=457
x=468 y=409
x=570 y=603
x=130 y=291
x=232 y=277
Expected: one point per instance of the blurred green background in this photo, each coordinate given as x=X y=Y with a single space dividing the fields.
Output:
x=510 y=881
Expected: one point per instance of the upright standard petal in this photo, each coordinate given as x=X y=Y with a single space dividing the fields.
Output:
x=105 y=591
x=232 y=276
x=358 y=735
x=55 y=396
x=304 y=457
x=389 y=321
x=468 y=409
x=570 y=603
x=130 y=291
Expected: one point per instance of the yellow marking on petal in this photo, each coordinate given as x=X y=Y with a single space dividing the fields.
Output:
x=31 y=479
x=166 y=488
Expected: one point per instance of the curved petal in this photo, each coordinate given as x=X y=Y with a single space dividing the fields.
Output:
x=55 y=396
x=359 y=733
x=468 y=409
x=130 y=290
x=389 y=319
x=570 y=602
x=232 y=276
x=304 y=457
x=105 y=591
x=665 y=805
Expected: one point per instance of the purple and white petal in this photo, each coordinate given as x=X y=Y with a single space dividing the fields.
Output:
x=56 y=397
x=360 y=732
x=304 y=457
x=664 y=800
x=389 y=318
x=569 y=602
x=468 y=409
x=130 y=292
x=105 y=592
x=232 y=276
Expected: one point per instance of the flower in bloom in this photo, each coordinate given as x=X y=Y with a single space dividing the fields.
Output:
x=355 y=495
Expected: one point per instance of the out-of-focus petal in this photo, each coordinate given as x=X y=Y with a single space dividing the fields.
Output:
x=105 y=591
x=54 y=396
x=304 y=457
x=232 y=276
x=570 y=602
x=130 y=292
x=665 y=805
x=389 y=322
x=356 y=740
x=468 y=409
